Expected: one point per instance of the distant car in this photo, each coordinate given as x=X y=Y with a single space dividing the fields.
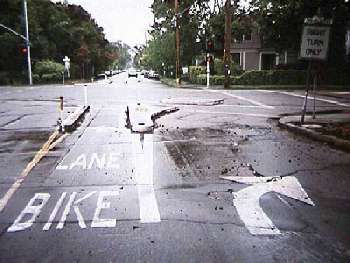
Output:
x=132 y=73
x=101 y=77
x=146 y=74
x=154 y=75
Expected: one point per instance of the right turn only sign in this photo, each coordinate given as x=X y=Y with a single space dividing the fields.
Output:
x=314 y=44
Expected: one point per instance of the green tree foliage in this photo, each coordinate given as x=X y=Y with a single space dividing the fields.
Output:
x=281 y=23
x=161 y=49
x=192 y=13
x=123 y=55
x=55 y=31
x=48 y=67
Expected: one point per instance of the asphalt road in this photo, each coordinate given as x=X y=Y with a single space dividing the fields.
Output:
x=105 y=194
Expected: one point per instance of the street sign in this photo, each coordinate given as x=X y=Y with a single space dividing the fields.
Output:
x=315 y=42
x=66 y=61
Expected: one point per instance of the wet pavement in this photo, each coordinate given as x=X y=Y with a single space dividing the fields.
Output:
x=106 y=194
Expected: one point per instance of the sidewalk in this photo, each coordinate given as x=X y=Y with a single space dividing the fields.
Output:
x=333 y=128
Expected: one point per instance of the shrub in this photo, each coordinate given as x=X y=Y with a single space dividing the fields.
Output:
x=270 y=77
x=48 y=67
x=36 y=78
x=194 y=71
x=277 y=77
x=50 y=78
x=336 y=76
x=219 y=68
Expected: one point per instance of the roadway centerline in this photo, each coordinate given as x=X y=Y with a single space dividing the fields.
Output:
x=50 y=144
x=254 y=102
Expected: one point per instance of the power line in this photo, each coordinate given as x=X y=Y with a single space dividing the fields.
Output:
x=14 y=32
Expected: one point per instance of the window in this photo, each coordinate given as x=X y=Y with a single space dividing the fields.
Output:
x=236 y=58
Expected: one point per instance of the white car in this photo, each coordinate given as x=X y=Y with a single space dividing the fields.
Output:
x=132 y=73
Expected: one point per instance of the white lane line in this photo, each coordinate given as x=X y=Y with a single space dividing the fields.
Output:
x=220 y=105
x=143 y=161
x=254 y=102
x=319 y=99
x=237 y=113
x=40 y=154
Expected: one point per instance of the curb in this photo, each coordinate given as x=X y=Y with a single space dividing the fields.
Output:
x=329 y=139
x=71 y=122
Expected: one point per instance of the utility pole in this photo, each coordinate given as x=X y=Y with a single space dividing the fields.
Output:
x=227 y=45
x=27 y=42
x=177 y=20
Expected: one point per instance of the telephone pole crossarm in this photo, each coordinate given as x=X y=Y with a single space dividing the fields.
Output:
x=14 y=32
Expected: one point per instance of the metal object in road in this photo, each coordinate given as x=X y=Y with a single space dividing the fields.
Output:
x=60 y=118
x=85 y=96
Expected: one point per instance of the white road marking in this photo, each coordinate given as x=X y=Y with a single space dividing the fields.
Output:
x=100 y=161
x=54 y=212
x=75 y=204
x=149 y=212
x=62 y=167
x=80 y=161
x=66 y=211
x=319 y=99
x=40 y=154
x=30 y=209
x=101 y=204
x=248 y=206
x=237 y=113
x=254 y=102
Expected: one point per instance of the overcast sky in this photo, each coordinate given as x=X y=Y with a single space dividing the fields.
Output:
x=126 y=20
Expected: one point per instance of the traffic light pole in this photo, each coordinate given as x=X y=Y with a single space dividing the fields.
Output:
x=208 y=70
x=227 y=45
x=27 y=42
x=178 y=77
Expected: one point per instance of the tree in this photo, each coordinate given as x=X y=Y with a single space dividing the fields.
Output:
x=192 y=13
x=281 y=23
x=66 y=31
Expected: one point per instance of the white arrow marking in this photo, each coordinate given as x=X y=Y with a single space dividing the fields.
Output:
x=247 y=203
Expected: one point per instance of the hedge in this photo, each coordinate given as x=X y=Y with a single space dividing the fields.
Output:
x=276 y=77
x=51 y=78
x=270 y=77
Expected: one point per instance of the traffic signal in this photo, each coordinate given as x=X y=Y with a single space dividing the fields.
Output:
x=23 y=49
x=210 y=46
